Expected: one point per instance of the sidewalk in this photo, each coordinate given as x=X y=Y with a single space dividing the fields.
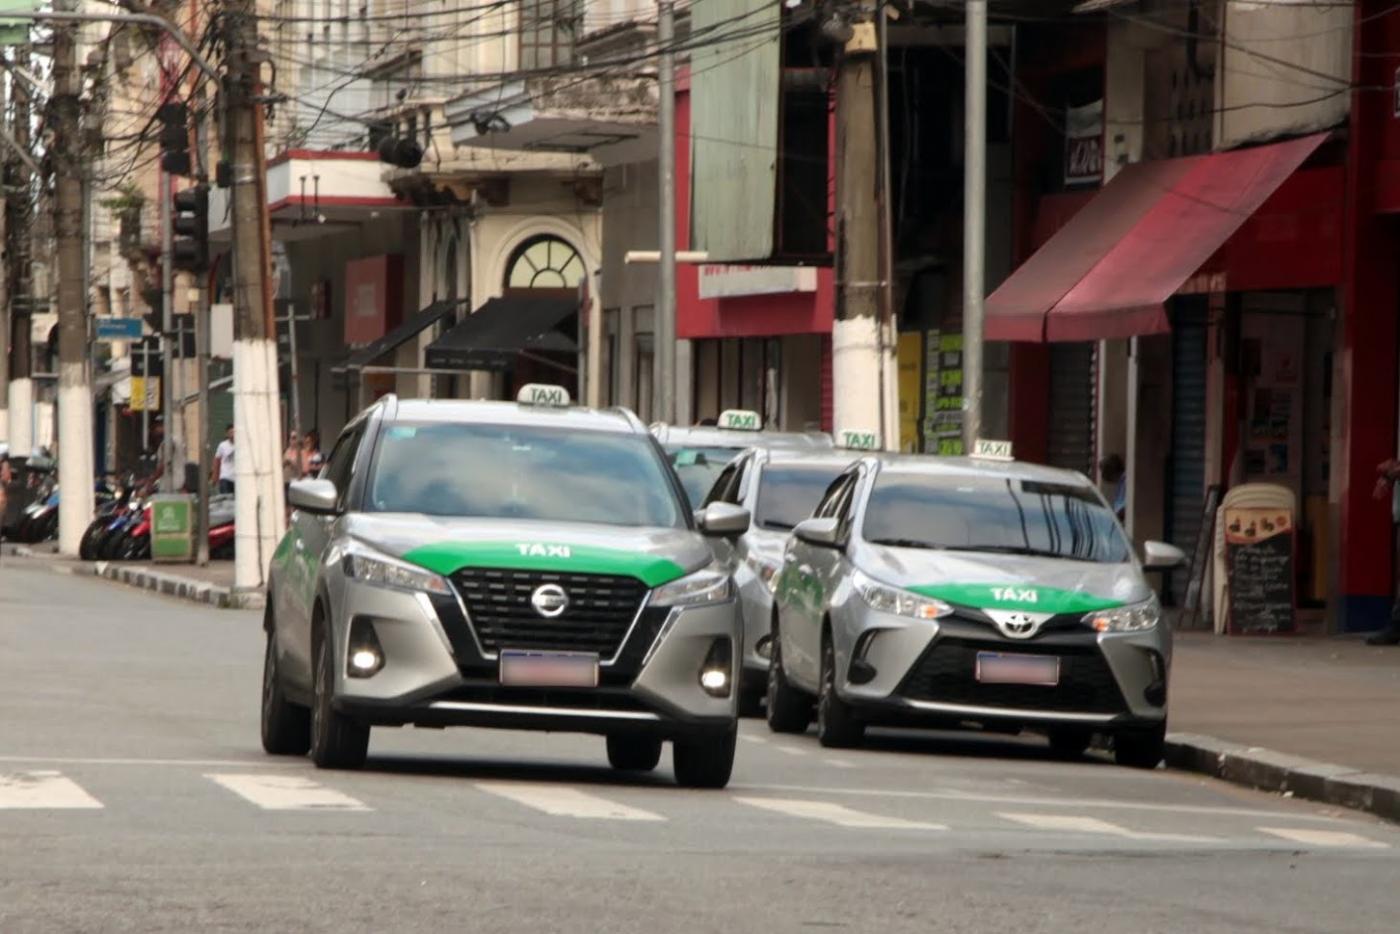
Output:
x=1316 y=717
x=211 y=585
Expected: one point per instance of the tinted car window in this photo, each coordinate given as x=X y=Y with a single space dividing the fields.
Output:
x=787 y=495
x=699 y=467
x=342 y=459
x=522 y=472
x=993 y=514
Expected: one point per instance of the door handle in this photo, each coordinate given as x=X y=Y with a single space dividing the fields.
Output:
x=299 y=544
x=805 y=570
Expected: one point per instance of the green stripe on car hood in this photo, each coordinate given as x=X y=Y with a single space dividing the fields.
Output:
x=1028 y=597
x=447 y=557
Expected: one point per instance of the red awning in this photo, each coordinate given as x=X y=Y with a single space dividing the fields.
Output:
x=1107 y=272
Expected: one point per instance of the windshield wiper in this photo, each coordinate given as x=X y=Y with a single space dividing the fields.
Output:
x=1023 y=550
x=777 y=525
x=905 y=543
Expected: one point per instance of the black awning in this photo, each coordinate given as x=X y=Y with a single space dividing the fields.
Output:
x=400 y=335
x=490 y=337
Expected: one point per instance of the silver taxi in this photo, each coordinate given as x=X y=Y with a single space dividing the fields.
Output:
x=700 y=452
x=527 y=565
x=779 y=487
x=953 y=591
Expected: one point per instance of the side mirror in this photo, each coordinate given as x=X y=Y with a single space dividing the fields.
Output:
x=723 y=520
x=824 y=533
x=1160 y=556
x=314 y=496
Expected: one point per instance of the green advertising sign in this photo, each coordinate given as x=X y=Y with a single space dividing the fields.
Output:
x=172 y=527
x=15 y=31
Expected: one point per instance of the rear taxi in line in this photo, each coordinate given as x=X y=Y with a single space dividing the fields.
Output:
x=527 y=565
x=928 y=591
x=699 y=453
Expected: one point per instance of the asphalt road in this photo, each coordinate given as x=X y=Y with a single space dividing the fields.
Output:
x=134 y=796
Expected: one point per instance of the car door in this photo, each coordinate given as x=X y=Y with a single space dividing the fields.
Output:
x=806 y=570
x=311 y=536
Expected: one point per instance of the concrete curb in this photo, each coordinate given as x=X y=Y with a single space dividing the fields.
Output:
x=149 y=578
x=1269 y=770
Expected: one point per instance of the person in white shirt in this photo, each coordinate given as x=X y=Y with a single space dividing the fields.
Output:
x=223 y=463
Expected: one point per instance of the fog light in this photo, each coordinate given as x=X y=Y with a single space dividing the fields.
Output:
x=365 y=656
x=714 y=673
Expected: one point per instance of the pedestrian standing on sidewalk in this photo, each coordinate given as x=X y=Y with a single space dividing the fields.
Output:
x=1388 y=472
x=6 y=477
x=1113 y=483
x=223 y=464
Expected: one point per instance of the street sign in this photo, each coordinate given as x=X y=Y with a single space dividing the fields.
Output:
x=118 y=329
x=992 y=450
x=860 y=440
x=172 y=528
x=145 y=394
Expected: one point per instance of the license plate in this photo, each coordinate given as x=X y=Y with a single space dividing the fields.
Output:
x=520 y=668
x=997 y=668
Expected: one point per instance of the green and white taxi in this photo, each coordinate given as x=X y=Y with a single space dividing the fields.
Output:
x=699 y=453
x=528 y=565
x=956 y=591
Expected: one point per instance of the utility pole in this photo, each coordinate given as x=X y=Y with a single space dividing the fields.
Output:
x=201 y=344
x=664 y=356
x=257 y=429
x=856 y=345
x=18 y=211
x=75 y=475
x=974 y=218
x=168 y=481
x=4 y=289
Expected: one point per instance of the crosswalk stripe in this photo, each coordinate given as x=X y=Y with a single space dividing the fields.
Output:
x=1312 y=837
x=43 y=790
x=562 y=801
x=286 y=792
x=836 y=814
x=1069 y=823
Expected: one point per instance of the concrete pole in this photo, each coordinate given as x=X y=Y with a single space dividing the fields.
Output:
x=855 y=337
x=257 y=415
x=664 y=356
x=75 y=476
x=974 y=218
x=168 y=483
x=17 y=227
x=4 y=294
x=201 y=341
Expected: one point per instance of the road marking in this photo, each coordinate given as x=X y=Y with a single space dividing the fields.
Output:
x=750 y=738
x=286 y=793
x=1323 y=837
x=43 y=790
x=1100 y=803
x=562 y=801
x=1068 y=823
x=195 y=763
x=791 y=750
x=839 y=763
x=837 y=814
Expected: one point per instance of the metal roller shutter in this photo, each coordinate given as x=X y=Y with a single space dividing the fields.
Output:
x=1072 y=406
x=1186 y=467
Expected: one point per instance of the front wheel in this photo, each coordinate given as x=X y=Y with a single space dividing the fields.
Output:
x=837 y=725
x=634 y=753
x=337 y=742
x=1141 y=749
x=789 y=710
x=707 y=762
x=286 y=727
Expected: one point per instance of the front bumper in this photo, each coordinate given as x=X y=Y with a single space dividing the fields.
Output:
x=927 y=673
x=436 y=672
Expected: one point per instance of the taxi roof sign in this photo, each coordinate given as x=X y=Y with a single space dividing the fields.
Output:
x=543 y=394
x=740 y=420
x=989 y=450
x=854 y=440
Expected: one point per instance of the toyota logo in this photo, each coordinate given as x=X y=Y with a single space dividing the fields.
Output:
x=549 y=600
x=1015 y=625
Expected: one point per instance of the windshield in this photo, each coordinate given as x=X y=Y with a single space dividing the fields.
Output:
x=699 y=468
x=993 y=514
x=787 y=495
x=522 y=472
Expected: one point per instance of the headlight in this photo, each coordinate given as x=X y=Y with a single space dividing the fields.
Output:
x=887 y=599
x=699 y=589
x=1138 y=617
x=384 y=571
x=765 y=569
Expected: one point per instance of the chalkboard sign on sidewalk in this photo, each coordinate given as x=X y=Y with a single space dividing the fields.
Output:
x=1259 y=561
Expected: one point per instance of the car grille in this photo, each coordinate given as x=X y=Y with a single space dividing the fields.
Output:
x=947 y=673
x=601 y=609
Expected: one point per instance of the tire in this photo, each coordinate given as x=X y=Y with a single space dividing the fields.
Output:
x=705 y=763
x=1069 y=743
x=1140 y=749
x=634 y=753
x=837 y=724
x=87 y=547
x=286 y=727
x=789 y=710
x=337 y=742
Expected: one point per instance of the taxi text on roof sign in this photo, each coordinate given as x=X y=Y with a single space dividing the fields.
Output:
x=992 y=450
x=859 y=440
x=542 y=394
x=740 y=420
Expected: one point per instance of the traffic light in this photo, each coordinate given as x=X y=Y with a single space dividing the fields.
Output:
x=174 y=138
x=190 y=246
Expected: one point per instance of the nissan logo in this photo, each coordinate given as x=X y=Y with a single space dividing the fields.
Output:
x=549 y=600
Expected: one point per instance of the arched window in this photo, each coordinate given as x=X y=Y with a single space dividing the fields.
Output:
x=545 y=262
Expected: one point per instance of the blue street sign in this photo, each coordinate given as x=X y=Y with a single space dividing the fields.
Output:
x=119 y=329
